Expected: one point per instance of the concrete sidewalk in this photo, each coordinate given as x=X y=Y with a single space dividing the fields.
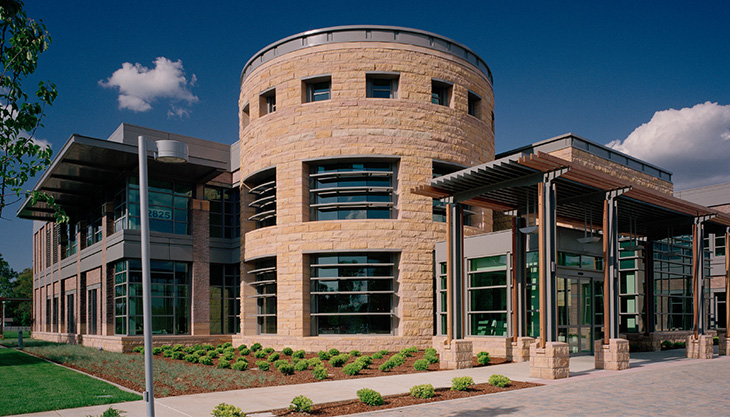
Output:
x=255 y=400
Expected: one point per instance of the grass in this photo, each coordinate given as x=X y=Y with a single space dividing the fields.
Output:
x=31 y=385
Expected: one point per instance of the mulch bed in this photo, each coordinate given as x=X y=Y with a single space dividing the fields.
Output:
x=402 y=400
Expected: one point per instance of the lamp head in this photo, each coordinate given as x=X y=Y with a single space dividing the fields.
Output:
x=171 y=151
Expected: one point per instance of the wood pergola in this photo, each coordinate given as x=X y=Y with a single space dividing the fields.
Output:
x=565 y=191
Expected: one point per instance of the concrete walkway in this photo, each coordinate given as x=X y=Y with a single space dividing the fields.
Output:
x=661 y=373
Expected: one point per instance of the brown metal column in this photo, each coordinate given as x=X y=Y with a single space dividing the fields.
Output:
x=449 y=298
x=606 y=276
x=542 y=282
x=515 y=316
x=695 y=279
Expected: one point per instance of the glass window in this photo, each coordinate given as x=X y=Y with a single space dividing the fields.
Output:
x=225 y=298
x=225 y=209
x=267 y=102
x=532 y=299
x=264 y=282
x=487 y=287
x=317 y=89
x=263 y=190
x=441 y=93
x=673 y=284
x=352 y=293
x=169 y=204
x=474 y=104
x=719 y=245
x=352 y=190
x=382 y=85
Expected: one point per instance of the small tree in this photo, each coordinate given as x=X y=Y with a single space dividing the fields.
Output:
x=22 y=40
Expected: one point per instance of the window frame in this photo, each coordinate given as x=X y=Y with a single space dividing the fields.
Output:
x=391 y=77
x=472 y=291
x=441 y=92
x=311 y=94
x=265 y=279
x=267 y=101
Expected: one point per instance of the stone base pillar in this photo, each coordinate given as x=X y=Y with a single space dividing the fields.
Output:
x=700 y=348
x=614 y=356
x=550 y=362
x=724 y=344
x=521 y=349
x=457 y=355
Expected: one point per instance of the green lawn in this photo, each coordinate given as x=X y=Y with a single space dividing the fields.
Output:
x=29 y=384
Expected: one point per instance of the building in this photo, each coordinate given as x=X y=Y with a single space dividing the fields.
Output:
x=360 y=148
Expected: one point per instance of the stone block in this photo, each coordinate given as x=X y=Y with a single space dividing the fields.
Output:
x=551 y=362
x=457 y=355
x=614 y=356
x=724 y=345
x=700 y=347
x=521 y=349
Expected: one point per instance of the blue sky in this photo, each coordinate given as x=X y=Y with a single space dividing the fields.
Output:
x=598 y=69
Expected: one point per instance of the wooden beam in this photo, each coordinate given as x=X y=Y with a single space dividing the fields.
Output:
x=542 y=273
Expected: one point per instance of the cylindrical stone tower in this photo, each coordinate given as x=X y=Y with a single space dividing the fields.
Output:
x=338 y=125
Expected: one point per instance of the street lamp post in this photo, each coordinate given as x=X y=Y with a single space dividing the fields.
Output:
x=167 y=151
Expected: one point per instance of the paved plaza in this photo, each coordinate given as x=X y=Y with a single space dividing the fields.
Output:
x=658 y=384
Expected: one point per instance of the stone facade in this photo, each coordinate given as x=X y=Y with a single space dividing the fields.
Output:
x=408 y=130
x=724 y=345
x=456 y=355
x=700 y=347
x=614 y=356
x=521 y=349
x=550 y=362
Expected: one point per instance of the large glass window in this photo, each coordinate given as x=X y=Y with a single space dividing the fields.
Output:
x=169 y=204
x=225 y=210
x=92 y=313
x=263 y=189
x=442 y=319
x=630 y=287
x=317 y=89
x=532 y=295
x=352 y=293
x=264 y=273
x=352 y=190
x=487 y=287
x=225 y=298
x=170 y=291
x=93 y=226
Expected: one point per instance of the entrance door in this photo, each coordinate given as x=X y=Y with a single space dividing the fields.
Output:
x=577 y=309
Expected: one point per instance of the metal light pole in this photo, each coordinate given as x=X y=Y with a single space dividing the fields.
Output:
x=167 y=151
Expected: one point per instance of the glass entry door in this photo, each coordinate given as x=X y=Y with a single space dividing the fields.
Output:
x=580 y=308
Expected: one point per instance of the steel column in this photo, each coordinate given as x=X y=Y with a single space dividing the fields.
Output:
x=610 y=265
x=698 y=273
x=455 y=271
x=519 y=269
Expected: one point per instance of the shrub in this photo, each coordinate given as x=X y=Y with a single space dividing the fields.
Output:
x=319 y=372
x=205 y=360
x=273 y=357
x=299 y=354
x=218 y=350
x=255 y=347
x=262 y=365
x=314 y=362
x=168 y=353
x=229 y=349
x=228 y=356
x=242 y=347
x=461 y=383
x=430 y=351
x=165 y=347
x=227 y=410
x=200 y=353
x=421 y=365
x=405 y=352
x=377 y=355
x=241 y=359
x=339 y=360
x=286 y=368
x=239 y=365
x=178 y=355
x=260 y=354
x=355 y=353
x=334 y=352
x=325 y=356
x=197 y=347
x=269 y=350
x=483 y=358
x=287 y=351
x=177 y=348
x=383 y=352
x=499 y=381
x=138 y=349
x=423 y=391
x=386 y=366
x=352 y=368
x=213 y=354
x=431 y=357
x=206 y=346
x=301 y=404
x=365 y=359
x=245 y=351
x=188 y=349
x=301 y=366
x=370 y=397
x=398 y=359
x=111 y=412
x=224 y=364
x=279 y=362
x=227 y=345
x=191 y=358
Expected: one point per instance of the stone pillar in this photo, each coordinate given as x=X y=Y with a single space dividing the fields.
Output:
x=700 y=348
x=457 y=355
x=724 y=344
x=521 y=349
x=614 y=356
x=550 y=362
x=200 y=300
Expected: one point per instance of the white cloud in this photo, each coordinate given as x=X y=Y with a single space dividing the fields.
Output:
x=693 y=143
x=41 y=142
x=139 y=86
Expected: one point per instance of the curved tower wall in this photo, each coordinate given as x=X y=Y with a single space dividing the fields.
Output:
x=287 y=143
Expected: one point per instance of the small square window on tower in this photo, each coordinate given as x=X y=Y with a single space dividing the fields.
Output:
x=267 y=102
x=441 y=92
x=382 y=85
x=317 y=88
x=475 y=103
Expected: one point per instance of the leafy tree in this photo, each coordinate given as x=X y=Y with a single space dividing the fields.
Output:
x=22 y=40
x=21 y=310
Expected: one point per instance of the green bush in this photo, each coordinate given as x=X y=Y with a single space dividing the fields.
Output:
x=191 y=358
x=168 y=353
x=408 y=352
x=227 y=410
x=314 y=362
x=269 y=350
x=228 y=350
x=218 y=350
x=228 y=356
x=178 y=355
x=370 y=397
x=430 y=351
x=207 y=346
x=286 y=368
x=205 y=360
x=165 y=347
x=239 y=365
x=461 y=383
x=213 y=354
x=334 y=352
x=200 y=353
x=377 y=355
x=431 y=357
x=260 y=354
x=301 y=366
x=325 y=356
x=339 y=360
x=273 y=357
x=483 y=358
x=242 y=347
x=423 y=391
x=224 y=364
x=386 y=366
x=262 y=365
x=279 y=362
x=287 y=351
x=111 y=412
x=255 y=347
x=227 y=345
x=355 y=353
x=499 y=381
x=199 y=347
x=398 y=359
x=299 y=354
x=352 y=368
x=245 y=351
x=188 y=349
x=319 y=372
x=301 y=404
x=421 y=365
x=177 y=348
x=365 y=359
x=241 y=359
x=138 y=349
x=383 y=352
